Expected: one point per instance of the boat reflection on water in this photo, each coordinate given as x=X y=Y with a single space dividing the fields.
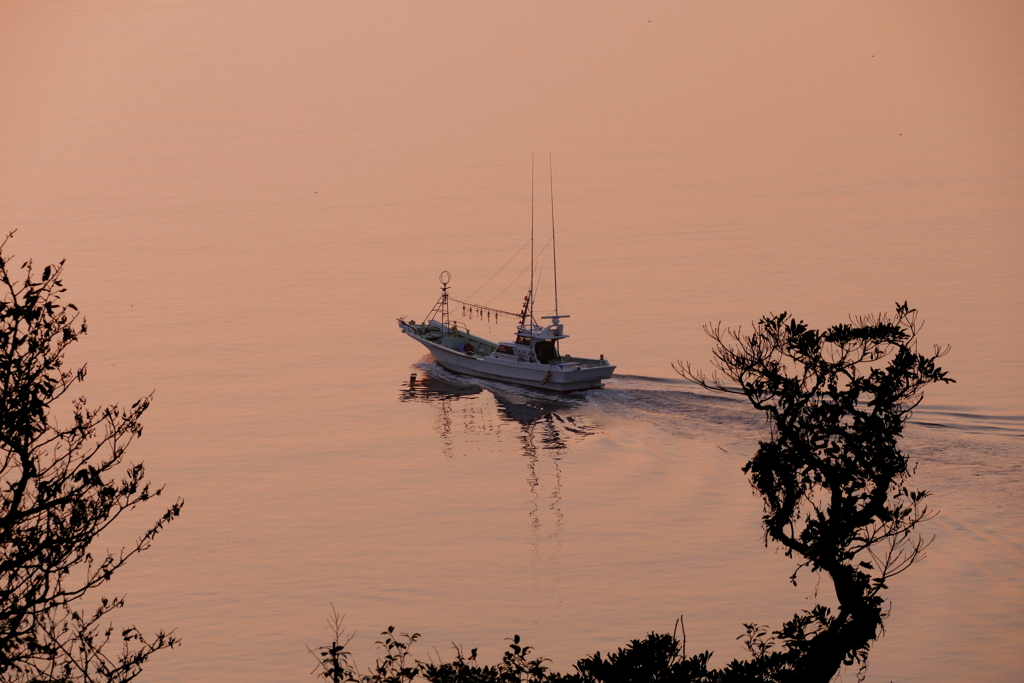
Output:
x=539 y=423
x=442 y=394
x=541 y=430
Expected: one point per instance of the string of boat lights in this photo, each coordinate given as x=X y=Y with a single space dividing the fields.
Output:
x=469 y=308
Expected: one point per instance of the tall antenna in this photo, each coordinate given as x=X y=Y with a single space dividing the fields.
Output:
x=531 y=236
x=554 y=259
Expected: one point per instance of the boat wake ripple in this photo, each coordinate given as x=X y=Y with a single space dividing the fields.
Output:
x=689 y=410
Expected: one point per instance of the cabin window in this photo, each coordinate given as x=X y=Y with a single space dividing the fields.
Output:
x=504 y=349
x=525 y=341
x=545 y=351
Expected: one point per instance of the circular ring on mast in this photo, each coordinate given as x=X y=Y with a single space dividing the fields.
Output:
x=445 y=277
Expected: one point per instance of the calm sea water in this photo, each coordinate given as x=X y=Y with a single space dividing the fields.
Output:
x=249 y=193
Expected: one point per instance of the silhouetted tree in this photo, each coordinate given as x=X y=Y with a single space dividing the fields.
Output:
x=833 y=480
x=63 y=483
x=831 y=472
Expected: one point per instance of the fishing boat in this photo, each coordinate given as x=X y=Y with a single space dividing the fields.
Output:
x=533 y=358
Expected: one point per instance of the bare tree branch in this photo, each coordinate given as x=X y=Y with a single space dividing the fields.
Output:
x=61 y=486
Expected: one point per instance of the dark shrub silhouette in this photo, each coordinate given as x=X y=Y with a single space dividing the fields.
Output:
x=831 y=472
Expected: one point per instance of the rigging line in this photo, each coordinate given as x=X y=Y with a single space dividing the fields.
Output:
x=525 y=244
x=540 y=276
x=521 y=273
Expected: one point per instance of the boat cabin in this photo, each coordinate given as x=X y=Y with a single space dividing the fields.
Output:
x=534 y=344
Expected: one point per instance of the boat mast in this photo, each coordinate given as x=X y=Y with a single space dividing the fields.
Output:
x=445 y=277
x=531 y=235
x=554 y=258
x=528 y=301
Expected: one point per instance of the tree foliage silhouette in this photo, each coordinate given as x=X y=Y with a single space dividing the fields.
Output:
x=831 y=473
x=63 y=483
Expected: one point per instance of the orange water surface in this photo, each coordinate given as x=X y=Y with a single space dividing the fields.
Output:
x=249 y=193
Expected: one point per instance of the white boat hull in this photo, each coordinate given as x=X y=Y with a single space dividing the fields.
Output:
x=566 y=376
